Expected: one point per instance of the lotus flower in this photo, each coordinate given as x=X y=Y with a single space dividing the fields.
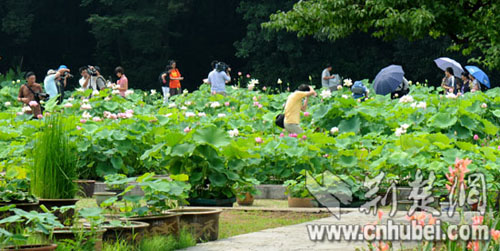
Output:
x=254 y=81
x=33 y=103
x=153 y=92
x=326 y=94
x=306 y=114
x=7 y=103
x=422 y=105
x=187 y=129
x=39 y=116
x=258 y=140
x=227 y=103
x=215 y=104
x=171 y=105
x=107 y=99
x=260 y=106
x=83 y=121
x=95 y=93
x=202 y=114
x=484 y=105
x=279 y=81
x=406 y=99
x=19 y=113
x=185 y=91
x=304 y=137
x=96 y=119
x=239 y=73
x=129 y=92
x=221 y=115
x=234 y=132
x=283 y=135
x=26 y=109
x=86 y=115
x=495 y=235
x=115 y=92
x=476 y=137
x=345 y=96
x=183 y=108
x=292 y=135
x=86 y=107
x=68 y=105
x=450 y=95
x=339 y=87
x=334 y=130
x=248 y=75
x=78 y=128
x=347 y=82
x=189 y=114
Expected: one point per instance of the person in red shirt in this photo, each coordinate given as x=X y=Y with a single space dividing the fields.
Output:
x=175 y=79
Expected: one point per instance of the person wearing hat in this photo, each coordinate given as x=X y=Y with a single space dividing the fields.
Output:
x=52 y=82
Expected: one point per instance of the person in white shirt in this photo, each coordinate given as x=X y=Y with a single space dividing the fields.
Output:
x=95 y=81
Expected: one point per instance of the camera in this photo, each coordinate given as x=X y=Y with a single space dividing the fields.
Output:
x=92 y=71
x=221 y=66
x=41 y=96
x=69 y=75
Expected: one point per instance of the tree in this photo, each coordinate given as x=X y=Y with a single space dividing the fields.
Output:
x=472 y=25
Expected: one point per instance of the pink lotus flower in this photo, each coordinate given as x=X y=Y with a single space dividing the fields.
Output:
x=19 y=113
x=260 y=106
x=293 y=135
x=484 y=105
x=68 y=105
x=477 y=220
x=306 y=114
x=326 y=156
x=476 y=137
x=96 y=119
x=239 y=73
x=255 y=103
x=495 y=235
x=254 y=98
x=39 y=116
x=304 y=137
x=122 y=115
x=130 y=111
x=33 y=103
x=258 y=140
x=78 y=128
x=283 y=135
x=226 y=103
x=83 y=121
x=264 y=88
x=498 y=147
x=187 y=129
x=248 y=75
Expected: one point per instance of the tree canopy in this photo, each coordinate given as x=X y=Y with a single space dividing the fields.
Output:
x=472 y=25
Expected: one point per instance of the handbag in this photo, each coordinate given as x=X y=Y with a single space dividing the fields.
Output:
x=280 y=119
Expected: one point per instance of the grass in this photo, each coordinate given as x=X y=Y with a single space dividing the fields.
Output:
x=241 y=222
x=154 y=243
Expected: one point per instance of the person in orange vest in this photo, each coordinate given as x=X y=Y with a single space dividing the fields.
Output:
x=175 y=79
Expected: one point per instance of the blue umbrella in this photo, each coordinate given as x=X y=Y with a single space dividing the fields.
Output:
x=479 y=75
x=388 y=79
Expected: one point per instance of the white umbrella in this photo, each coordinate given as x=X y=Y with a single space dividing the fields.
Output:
x=444 y=63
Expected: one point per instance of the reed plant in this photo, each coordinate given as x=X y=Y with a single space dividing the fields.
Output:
x=54 y=159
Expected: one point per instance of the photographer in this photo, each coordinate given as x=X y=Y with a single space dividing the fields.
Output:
x=56 y=81
x=92 y=78
x=218 y=78
x=164 y=80
x=31 y=94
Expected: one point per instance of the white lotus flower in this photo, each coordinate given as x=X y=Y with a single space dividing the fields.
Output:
x=129 y=92
x=107 y=98
x=279 y=81
x=115 y=92
x=254 y=82
x=189 y=114
x=86 y=107
x=70 y=99
x=153 y=92
x=399 y=131
x=451 y=95
x=95 y=93
x=86 y=115
x=334 y=130
x=406 y=99
x=339 y=87
x=413 y=105
x=422 y=105
x=484 y=105
x=7 y=103
x=185 y=92
x=234 y=133
x=250 y=87
x=183 y=108
x=202 y=114
x=405 y=126
x=347 y=82
x=171 y=105
x=26 y=109
x=344 y=96
x=188 y=103
x=68 y=105
x=325 y=94
x=215 y=104
x=234 y=87
x=221 y=115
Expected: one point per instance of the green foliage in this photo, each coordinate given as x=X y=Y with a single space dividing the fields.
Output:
x=54 y=159
x=462 y=21
x=15 y=191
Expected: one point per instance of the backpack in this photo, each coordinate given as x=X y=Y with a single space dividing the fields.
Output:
x=358 y=88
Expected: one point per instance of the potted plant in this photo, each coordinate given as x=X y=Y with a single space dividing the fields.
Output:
x=16 y=229
x=245 y=191
x=54 y=165
x=159 y=196
x=298 y=195
x=117 y=182
x=15 y=192
x=85 y=188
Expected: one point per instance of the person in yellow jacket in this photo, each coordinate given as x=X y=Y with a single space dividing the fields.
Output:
x=295 y=103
